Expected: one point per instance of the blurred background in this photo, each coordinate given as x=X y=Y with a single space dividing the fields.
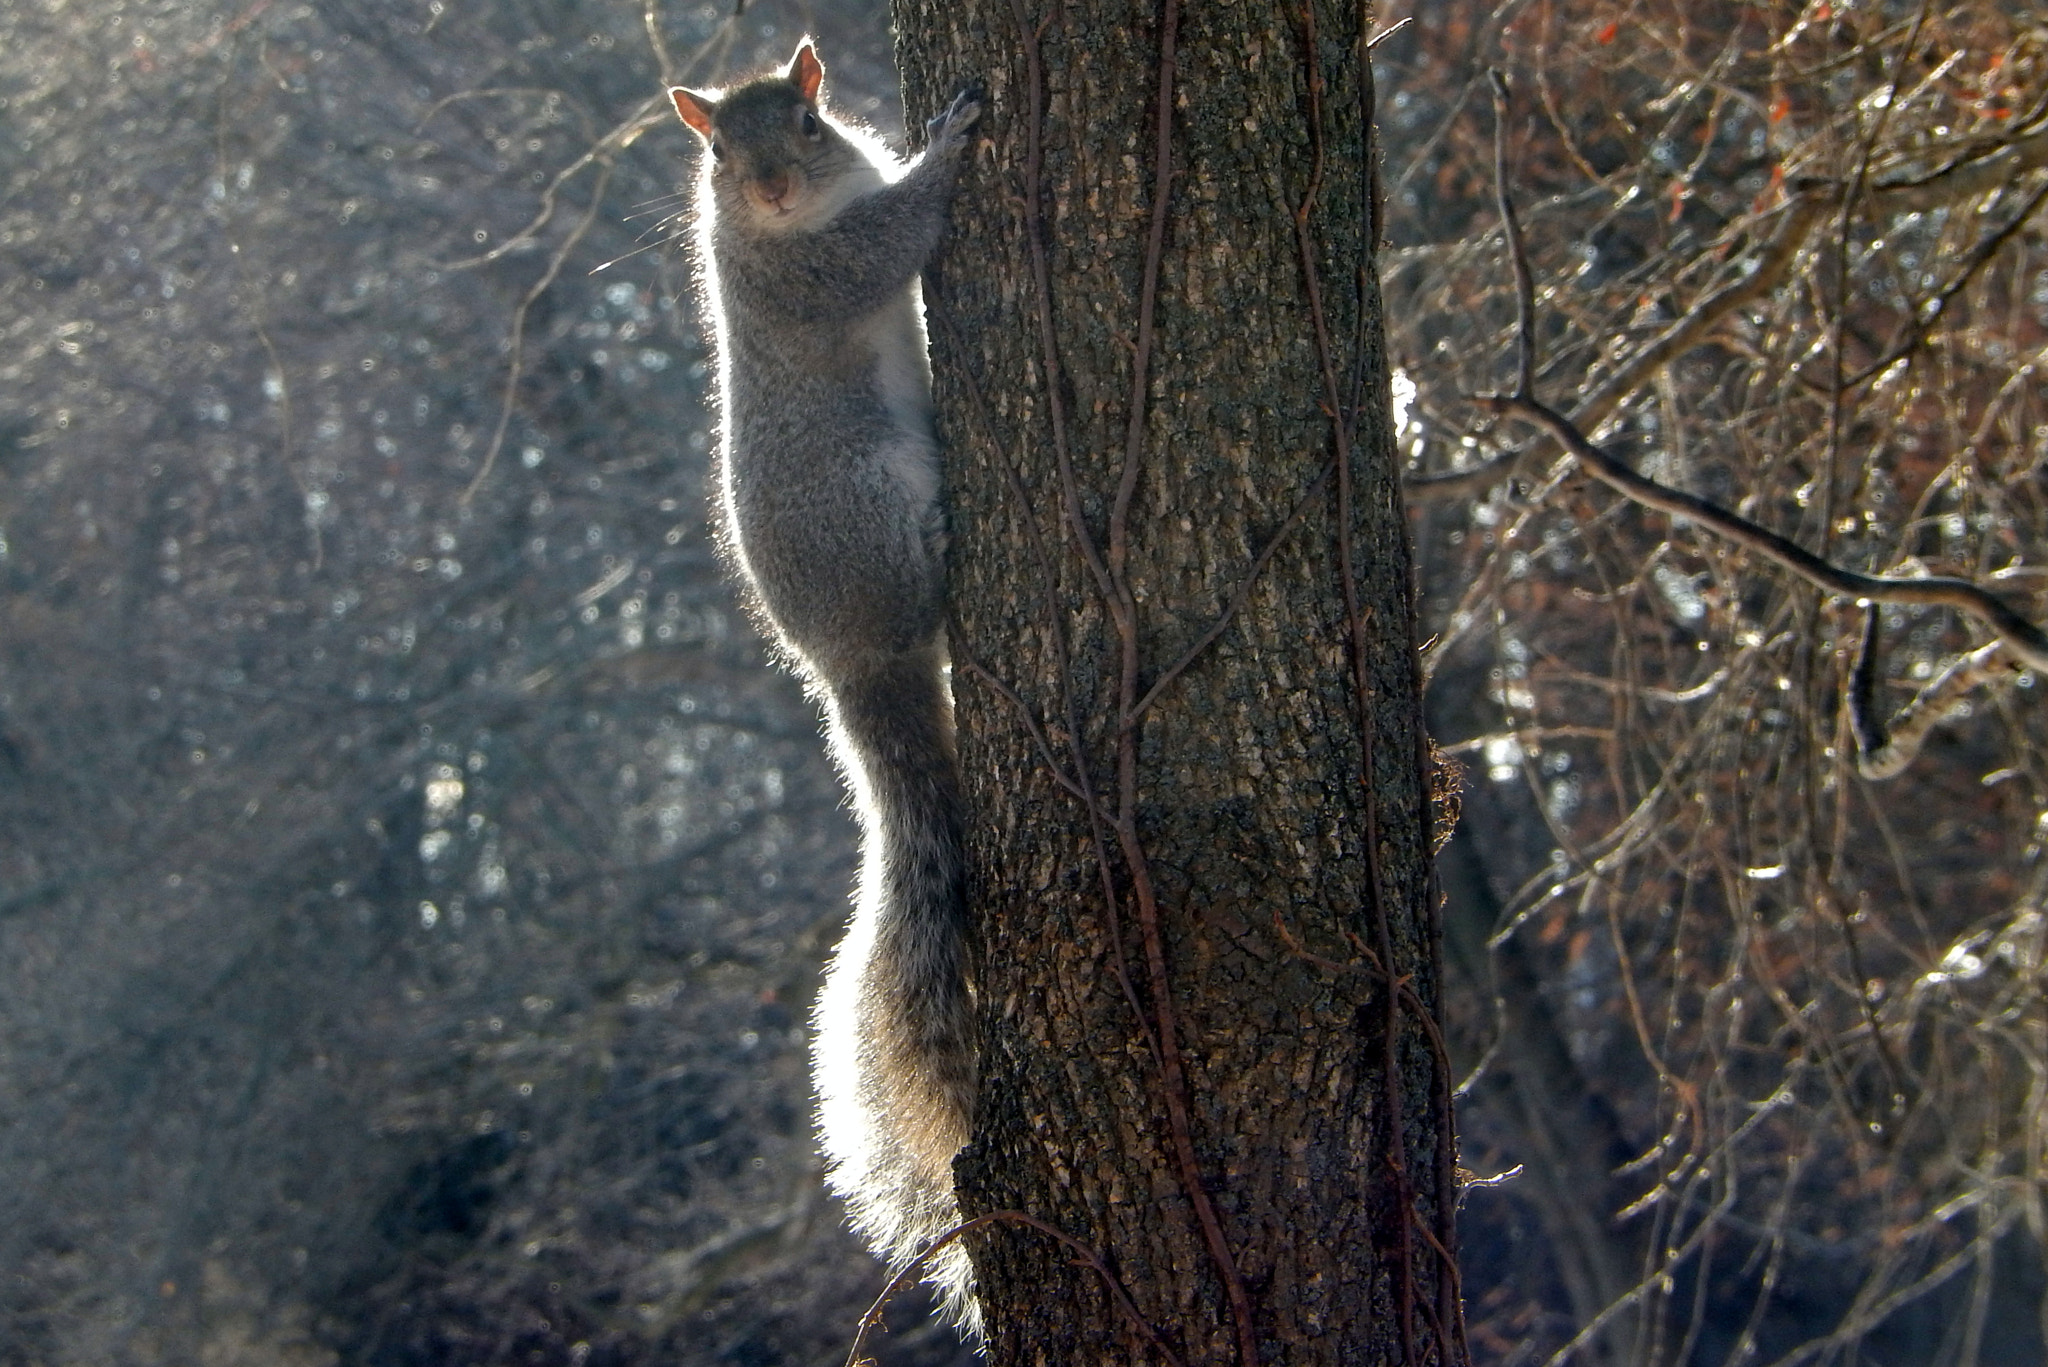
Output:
x=413 y=879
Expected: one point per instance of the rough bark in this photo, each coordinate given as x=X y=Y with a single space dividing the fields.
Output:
x=1193 y=1065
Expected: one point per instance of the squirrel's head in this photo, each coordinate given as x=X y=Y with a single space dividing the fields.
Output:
x=771 y=149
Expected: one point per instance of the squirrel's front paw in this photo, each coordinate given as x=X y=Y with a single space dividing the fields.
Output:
x=947 y=133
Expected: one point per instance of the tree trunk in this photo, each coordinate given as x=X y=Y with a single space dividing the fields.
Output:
x=1190 y=882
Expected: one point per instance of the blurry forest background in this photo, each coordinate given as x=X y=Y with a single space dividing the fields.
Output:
x=412 y=881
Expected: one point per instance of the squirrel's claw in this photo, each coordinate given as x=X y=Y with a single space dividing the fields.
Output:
x=948 y=132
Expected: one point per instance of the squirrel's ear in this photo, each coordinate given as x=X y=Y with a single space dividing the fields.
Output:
x=695 y=108
x=805 y=72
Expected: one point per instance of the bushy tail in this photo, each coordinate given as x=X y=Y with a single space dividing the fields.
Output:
x=894 y=1048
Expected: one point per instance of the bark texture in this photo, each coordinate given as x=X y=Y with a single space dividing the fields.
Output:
x=1188 y=902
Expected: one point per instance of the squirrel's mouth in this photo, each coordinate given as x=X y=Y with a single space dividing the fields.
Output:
x=778 y=201
x=779 y=216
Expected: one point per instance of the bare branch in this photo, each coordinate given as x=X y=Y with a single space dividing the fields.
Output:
x=1518 y=256
x=2015 y=632
x=1754 y=276
x=1885 y=749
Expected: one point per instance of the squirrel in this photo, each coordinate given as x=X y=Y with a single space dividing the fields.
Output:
x=810 y=238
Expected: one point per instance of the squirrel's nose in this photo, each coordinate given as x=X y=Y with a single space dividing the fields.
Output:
x=774 y=187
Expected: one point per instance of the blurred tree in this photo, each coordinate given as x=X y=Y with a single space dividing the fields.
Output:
x=1752 y=990
x=411 y=879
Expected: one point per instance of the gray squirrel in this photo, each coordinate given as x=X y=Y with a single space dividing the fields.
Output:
x=810 y=237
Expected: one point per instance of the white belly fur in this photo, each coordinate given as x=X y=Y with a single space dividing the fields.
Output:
x=903 y=380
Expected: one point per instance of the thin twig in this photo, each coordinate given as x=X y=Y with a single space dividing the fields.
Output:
x=621 y=135
x=515 y=366
x=1832 y=446
x=1511 y=228
x=1969 y=176
x=1237 y=602
x=964 y=661
x=1751 y=277
x=1913 y=333
x=914 y=1269
x=650 y=18
x=1884 y=749
x=259 y=315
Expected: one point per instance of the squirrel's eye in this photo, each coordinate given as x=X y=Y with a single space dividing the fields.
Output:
x=717 y=151
x=810 y=124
